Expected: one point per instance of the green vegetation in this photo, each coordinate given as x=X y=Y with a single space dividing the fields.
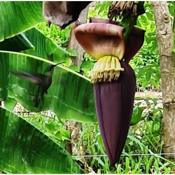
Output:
x=41 y=46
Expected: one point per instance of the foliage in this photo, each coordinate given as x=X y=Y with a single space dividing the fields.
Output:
x=144 y=139
x=146 y=63
x=38 y=58
x=24 y=149
x=171 y=6
x=141 y=152
x=87 y=65
x=70 y=96
x=4 y=83
x=20 y=42
x=99 y=9
x=32 y=52
x=66 y=104
x=61 y=37
x=49 y=124
x=18 y=17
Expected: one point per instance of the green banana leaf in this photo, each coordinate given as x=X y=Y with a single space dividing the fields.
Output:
x=10 y=104
x=44 y=47
x=17 y=43
x=4 y=72
x=75 y=102
x=70 y=95
x=25 y=149
x=16 y=17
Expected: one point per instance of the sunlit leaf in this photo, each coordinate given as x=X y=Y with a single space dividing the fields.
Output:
x=10 y=103
x=136 y=116
x=45 y=47
x=19 y=16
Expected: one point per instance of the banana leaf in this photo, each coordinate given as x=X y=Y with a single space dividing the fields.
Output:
x=17 y=43
x=44 y=47
x=17 y=17
x=4 y=72
x=25 y=149
x=70 y=95
x=10 y=104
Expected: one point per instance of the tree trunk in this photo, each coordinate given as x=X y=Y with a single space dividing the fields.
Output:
x=76 y=127
x=167 y=66
x=73 y=44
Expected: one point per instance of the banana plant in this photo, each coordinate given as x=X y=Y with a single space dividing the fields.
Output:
x=25 y=56
x=75 y=102
x=24 y=148
x=17 y=17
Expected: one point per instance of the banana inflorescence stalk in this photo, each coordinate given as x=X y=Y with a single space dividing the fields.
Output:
x=114 y=79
